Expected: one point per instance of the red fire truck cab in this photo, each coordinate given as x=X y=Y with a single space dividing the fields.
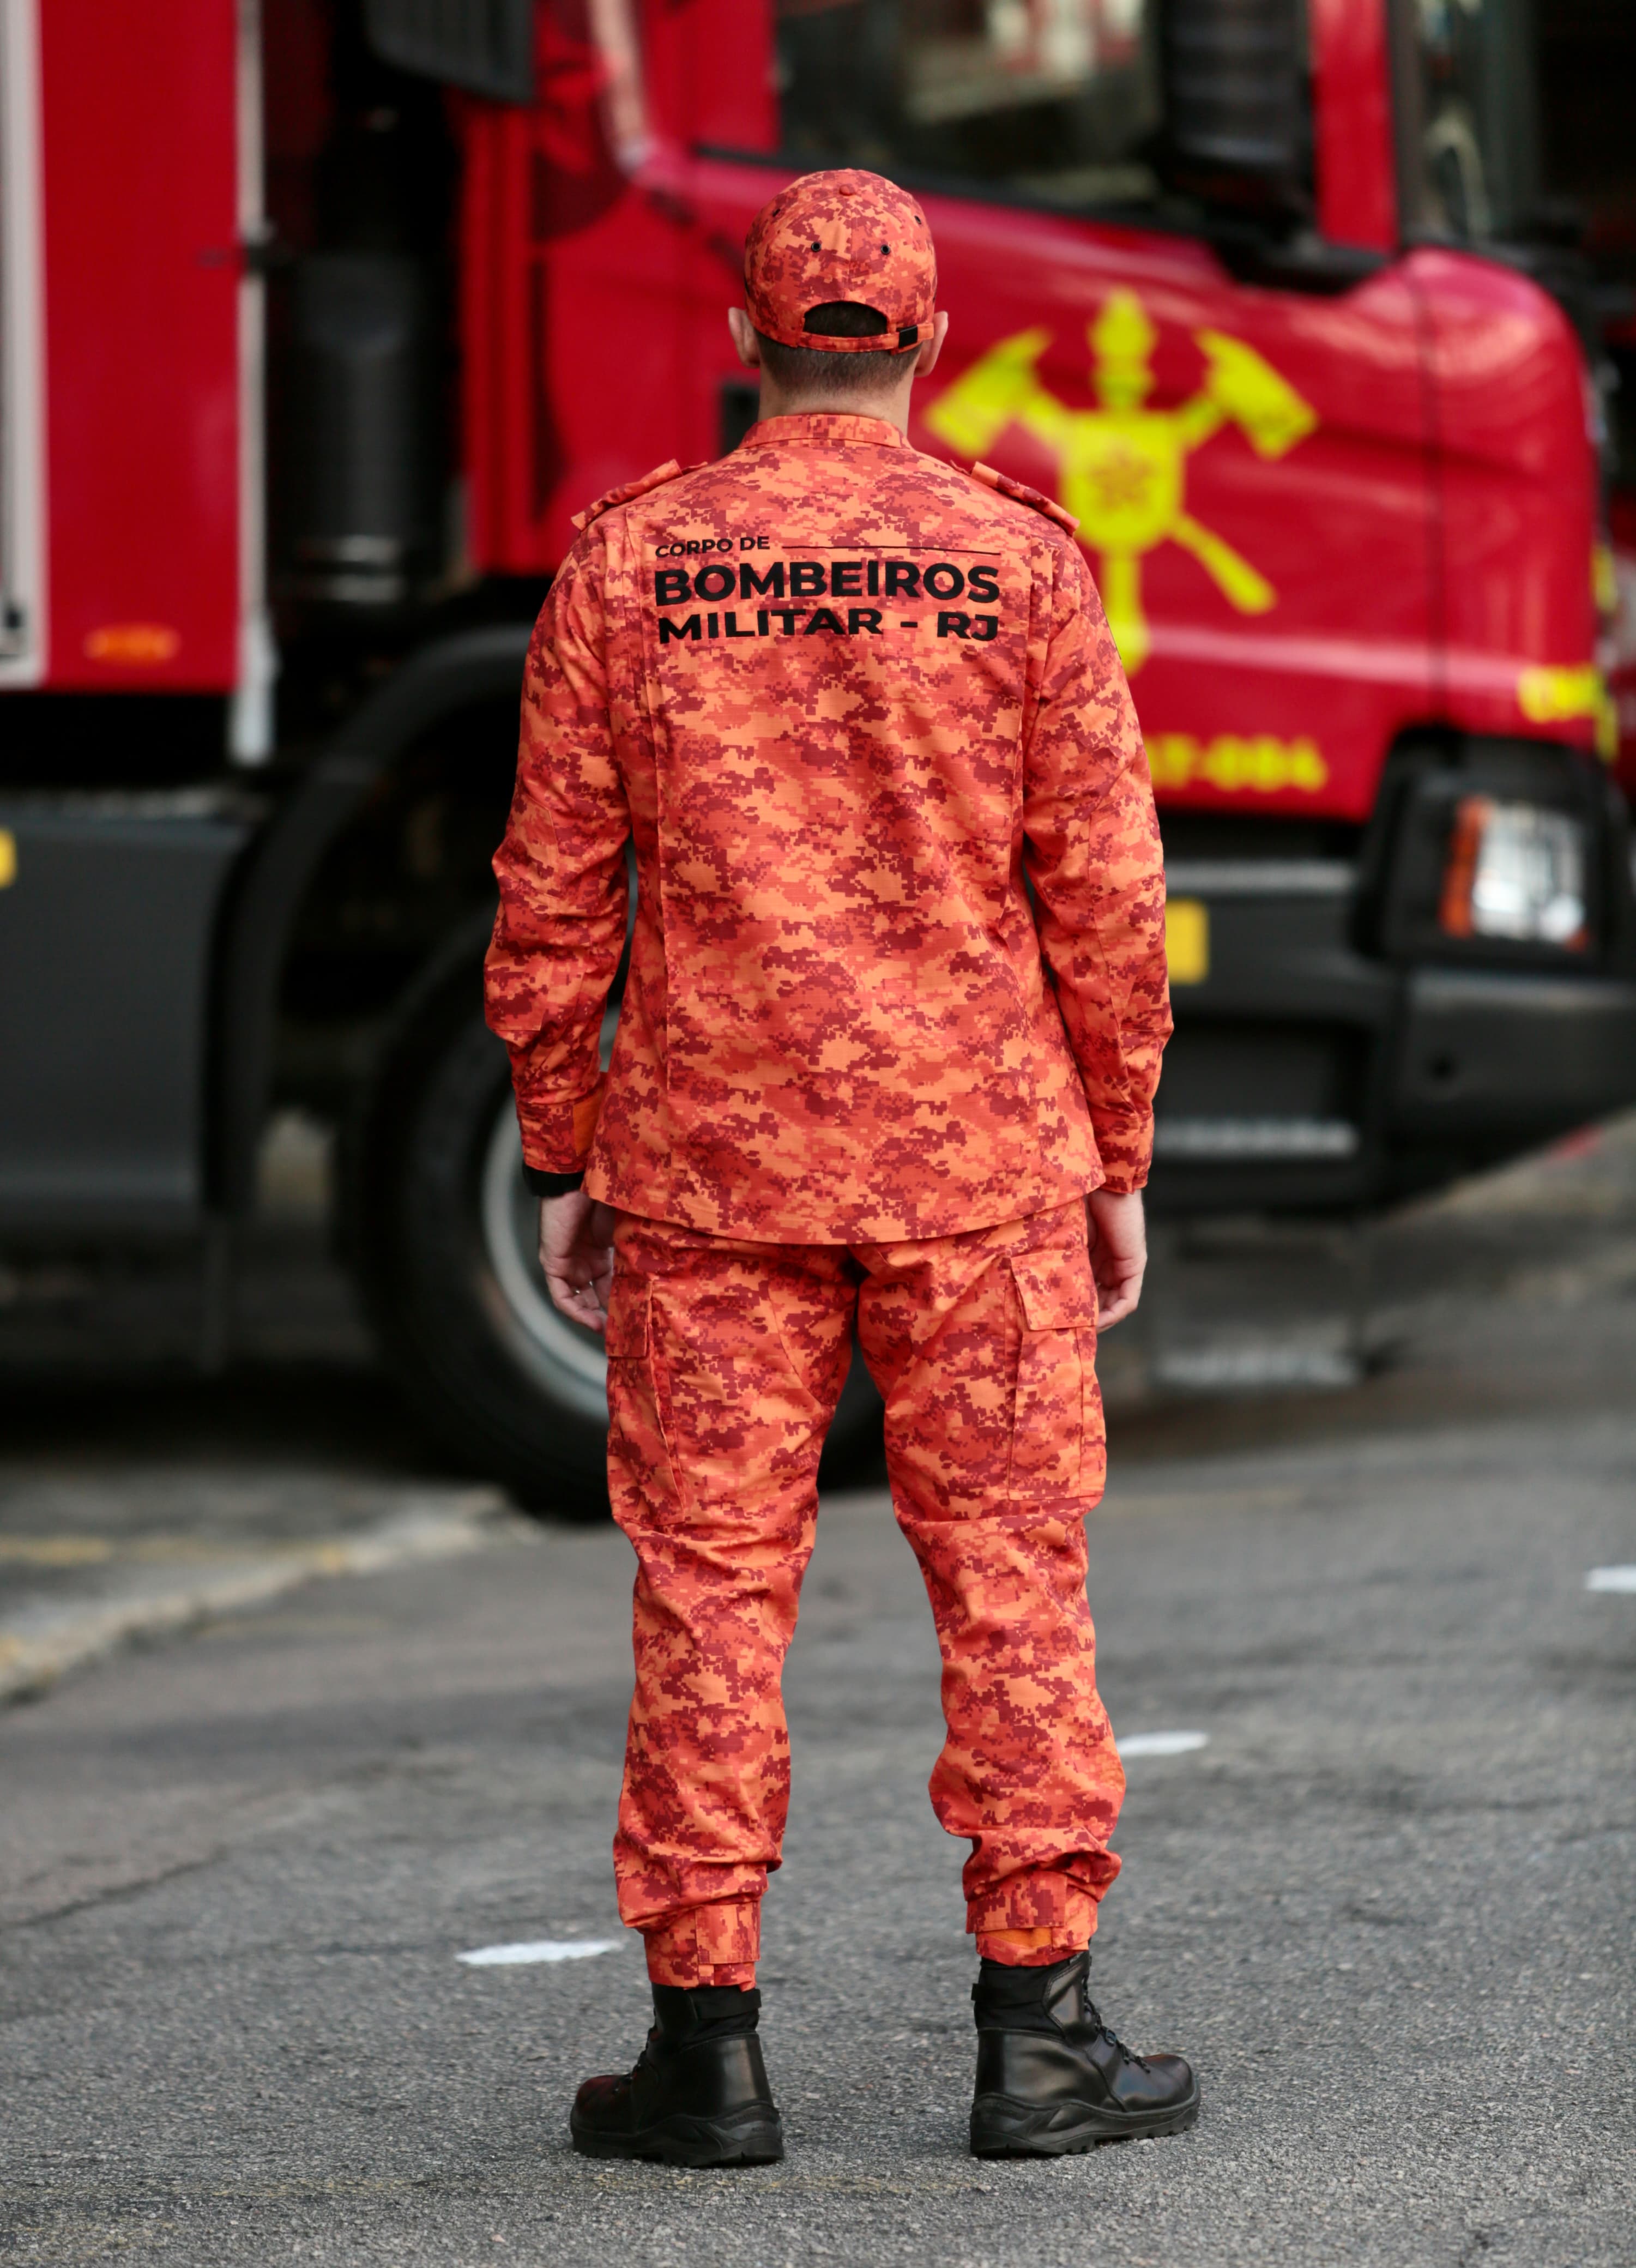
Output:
x=320 y=319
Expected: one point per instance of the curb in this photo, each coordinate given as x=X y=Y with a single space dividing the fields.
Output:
x=43 y=1641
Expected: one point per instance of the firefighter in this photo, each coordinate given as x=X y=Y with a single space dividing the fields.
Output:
x=849 y=704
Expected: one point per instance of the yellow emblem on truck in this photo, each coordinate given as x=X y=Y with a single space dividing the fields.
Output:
x=1122 y=468
x=1553 y=697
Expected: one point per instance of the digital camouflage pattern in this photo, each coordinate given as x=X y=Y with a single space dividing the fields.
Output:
x=845 y=701
x=726 y=1360
x=844 y=698
x=840 y=236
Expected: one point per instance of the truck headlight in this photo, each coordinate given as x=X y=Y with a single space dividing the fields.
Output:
x=1489 y=854
x=1516 y=871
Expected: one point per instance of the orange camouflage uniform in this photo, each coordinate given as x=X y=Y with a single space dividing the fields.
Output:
x=844 y=699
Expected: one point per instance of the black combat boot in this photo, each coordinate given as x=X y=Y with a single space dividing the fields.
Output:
x=1051 y=2077
x=698 y=2095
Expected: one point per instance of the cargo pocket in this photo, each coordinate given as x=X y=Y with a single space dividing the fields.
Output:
x=1054 y=1450
x=626 y=1335
x=639 y=1442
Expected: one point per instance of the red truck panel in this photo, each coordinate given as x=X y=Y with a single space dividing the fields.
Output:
x=140 y=205
x=1516 y=502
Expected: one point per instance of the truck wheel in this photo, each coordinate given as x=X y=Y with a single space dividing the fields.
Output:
x=443 y=1230
x=444 y=1234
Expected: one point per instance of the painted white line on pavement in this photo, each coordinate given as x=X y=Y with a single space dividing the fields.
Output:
x=1249 y=1369
x=1163 y=1744
x=542 y=1948
x=1611 y=1579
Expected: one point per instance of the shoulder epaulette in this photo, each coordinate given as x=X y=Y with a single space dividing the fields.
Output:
x=670 y=470
x=1022 y=493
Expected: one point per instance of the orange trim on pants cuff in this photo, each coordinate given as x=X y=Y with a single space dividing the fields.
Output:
x=706 y=1944
x=1029 y=1948
x=1035 y=1919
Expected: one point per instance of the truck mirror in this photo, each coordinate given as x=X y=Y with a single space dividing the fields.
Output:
x=486 y=46
x=1235 y=125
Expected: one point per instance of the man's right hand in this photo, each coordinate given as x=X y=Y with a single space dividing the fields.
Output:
x=577 y=1254
x=1118 y=1252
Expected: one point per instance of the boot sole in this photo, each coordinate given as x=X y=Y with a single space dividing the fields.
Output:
x=753 y=2137
x=1001 y=2127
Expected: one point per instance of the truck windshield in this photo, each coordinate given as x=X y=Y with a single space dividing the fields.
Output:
x=1470 y=159
x=1049 y=99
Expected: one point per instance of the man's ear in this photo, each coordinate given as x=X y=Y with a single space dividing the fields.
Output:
x=744 y=339
x=931 y=348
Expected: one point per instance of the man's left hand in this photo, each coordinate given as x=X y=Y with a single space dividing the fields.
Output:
x=1118 y=1252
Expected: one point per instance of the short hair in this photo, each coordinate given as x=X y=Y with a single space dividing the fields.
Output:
x=826 y=370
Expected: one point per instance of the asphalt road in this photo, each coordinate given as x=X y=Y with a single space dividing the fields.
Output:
x=1387 y=1906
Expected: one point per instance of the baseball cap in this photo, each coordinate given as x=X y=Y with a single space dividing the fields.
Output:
x=843 y=237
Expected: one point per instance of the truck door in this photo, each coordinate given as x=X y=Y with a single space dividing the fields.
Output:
x=150 y=459
x=1246 y=458
x=128 y=505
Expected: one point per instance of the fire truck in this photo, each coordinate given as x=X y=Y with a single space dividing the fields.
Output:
x=319 y=319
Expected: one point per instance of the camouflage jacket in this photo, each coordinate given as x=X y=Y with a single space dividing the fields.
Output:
x=844 y=698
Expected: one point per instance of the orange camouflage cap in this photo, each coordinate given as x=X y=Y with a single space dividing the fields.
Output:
x=842 y=237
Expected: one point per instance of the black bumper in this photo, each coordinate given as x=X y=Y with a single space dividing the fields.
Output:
x=1307 y=1075
x=1485 y=1051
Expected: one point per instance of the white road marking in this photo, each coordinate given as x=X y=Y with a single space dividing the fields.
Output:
x=1240 y=1369
x=1161 y=1744
x=1611 y=1579
x=541 y=1949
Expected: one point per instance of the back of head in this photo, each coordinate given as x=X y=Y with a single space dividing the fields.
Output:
x=840 y=281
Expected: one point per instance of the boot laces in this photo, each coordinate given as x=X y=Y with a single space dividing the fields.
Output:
x=1094 y=2015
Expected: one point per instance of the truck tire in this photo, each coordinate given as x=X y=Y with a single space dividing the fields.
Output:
x=443 y=1233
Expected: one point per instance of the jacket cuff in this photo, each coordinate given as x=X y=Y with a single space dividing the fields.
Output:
x=551 y=1185
x=1126 y=1146
x=556 y=1135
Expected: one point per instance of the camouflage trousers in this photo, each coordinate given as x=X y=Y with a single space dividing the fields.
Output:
x=726 y=1361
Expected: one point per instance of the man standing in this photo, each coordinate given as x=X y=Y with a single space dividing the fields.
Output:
x=849 y=704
